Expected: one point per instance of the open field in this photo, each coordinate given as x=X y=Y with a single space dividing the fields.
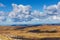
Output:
x=46 y=32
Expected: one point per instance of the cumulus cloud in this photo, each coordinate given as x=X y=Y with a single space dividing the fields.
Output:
x=24 y=13
x=52 y=9
x=2 y=16
x=20 y=12
x=51 y=14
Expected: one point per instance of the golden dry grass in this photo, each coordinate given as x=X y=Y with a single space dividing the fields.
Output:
x=10 y=32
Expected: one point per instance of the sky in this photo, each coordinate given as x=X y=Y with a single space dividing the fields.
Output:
x=29 y=12
x=36 y=4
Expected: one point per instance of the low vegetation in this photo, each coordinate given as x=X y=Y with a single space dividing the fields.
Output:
x=30 y=33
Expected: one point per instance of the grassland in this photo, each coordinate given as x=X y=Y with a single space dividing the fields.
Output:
x=29 y=33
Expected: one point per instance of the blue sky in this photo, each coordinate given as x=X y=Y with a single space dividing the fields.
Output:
x=29 y=12
x=36 y=4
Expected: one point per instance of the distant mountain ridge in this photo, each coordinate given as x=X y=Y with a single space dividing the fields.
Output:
x=33 y=24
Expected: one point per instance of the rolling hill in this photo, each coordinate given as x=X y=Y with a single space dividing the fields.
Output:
x=48 y=32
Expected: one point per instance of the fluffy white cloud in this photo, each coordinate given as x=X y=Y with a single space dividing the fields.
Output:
x=23 y=13
x=2 y=16
x=20 y=12
x=36 y=14
x=52 y=9
x=52 y=12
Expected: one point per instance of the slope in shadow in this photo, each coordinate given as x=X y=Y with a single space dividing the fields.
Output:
x=50 y=39
x=21 y=38
x=19 y=28
x=41 y=31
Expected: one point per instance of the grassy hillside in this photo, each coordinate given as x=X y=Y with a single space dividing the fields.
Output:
x=30 y=33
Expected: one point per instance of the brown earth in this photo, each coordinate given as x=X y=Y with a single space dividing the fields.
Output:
x=45 y=32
